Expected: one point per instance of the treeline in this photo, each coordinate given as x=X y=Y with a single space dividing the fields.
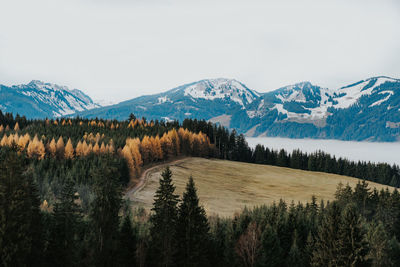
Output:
x=359 y=228
x=233 y=146
x=58 y=150
x=110 y=135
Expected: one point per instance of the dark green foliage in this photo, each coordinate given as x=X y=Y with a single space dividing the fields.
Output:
x=163 y=222
x=20 y=218
x=64 y=232
x=104 y=214
x=127 y=243
x=192 y=231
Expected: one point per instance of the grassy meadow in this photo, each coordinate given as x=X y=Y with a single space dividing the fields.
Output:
x=225 y=187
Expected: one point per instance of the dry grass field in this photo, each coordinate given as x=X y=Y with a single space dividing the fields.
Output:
x=225 y=187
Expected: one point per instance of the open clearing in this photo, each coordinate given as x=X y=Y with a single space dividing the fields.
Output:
x=225 y=187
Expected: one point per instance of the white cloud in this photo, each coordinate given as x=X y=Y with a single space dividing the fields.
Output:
x=122 y=49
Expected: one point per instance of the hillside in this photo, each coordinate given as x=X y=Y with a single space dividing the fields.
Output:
x=225 y=187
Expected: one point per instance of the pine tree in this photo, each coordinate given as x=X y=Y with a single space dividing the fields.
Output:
x=63 y=243
x=272 y=254
x=192 y=229
x=127 y=243
x=163 y=221
x=17 y=211
x=104 y=212
x=326 y=250
x=379 y=248
x=351 y=244
x=295 y=256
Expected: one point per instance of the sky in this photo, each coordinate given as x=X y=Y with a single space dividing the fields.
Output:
x=119 y=49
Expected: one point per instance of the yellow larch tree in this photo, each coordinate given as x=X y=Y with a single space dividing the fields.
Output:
x=96 y=148
x=69 y=150
x=60 y=147
x=103 y=149
x=78 y=149
x=16 y=127
x=52 y=147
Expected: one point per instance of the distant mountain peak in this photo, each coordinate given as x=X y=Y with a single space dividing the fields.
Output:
x=40 y=99
x=221 y=88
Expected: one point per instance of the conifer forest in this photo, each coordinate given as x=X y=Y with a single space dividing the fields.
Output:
x=62 y=184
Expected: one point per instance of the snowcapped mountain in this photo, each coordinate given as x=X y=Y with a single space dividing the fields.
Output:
x=366 y=110
x=204 y=99
x=38 y=100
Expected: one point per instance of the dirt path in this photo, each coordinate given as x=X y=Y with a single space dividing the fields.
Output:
x=130 y=192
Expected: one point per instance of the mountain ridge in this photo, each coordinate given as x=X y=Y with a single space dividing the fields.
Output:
x=365 y=110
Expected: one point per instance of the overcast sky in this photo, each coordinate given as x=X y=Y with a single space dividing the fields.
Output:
x=120 y=49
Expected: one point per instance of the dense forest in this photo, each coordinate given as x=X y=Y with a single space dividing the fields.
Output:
x=359 y=228
x=61 y=197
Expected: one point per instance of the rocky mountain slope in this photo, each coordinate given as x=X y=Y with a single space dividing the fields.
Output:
x=39 y=100
x=365 y=110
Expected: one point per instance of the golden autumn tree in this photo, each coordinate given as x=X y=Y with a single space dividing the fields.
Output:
x=69 y=150
x=52 y=147
x=23 y=141
x=166 y=146
x=4 y=140
x=176 y=145
x=103 y=149
x=36 y=148
x=60 y=147
x=111 y=148
x=96 y=148
x=16 y=127
x=146 y=150
x=127 y=155
x=78 y=149
x=85 y=149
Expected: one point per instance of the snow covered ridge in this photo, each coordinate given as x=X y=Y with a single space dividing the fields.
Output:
x=39 y=99
x=222 y=88
x=316 y=101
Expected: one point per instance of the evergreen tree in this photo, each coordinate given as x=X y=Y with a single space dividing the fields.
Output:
x=272 y=254
x=17 y=212
x=127 y=243
x=326 y=244
x=295 y=256
x=163 y=221
x=63 y=244
x=351 y=245
x=192 y=229
x=104 y=214
x=379 y=248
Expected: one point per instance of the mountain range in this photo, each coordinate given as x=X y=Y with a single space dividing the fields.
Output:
x=40 y=100
x=365 y=110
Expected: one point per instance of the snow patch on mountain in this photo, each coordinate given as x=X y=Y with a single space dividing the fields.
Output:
x=386 y=98
x=222 y=88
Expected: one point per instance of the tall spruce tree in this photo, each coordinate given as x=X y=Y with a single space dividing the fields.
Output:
x=104 y=214
x=163 y=222
x=127 y=243
x=326 y=249
x=193 y=237
x=19 y=217
x=351 y=244
x=63 y=246
x=272 y=254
